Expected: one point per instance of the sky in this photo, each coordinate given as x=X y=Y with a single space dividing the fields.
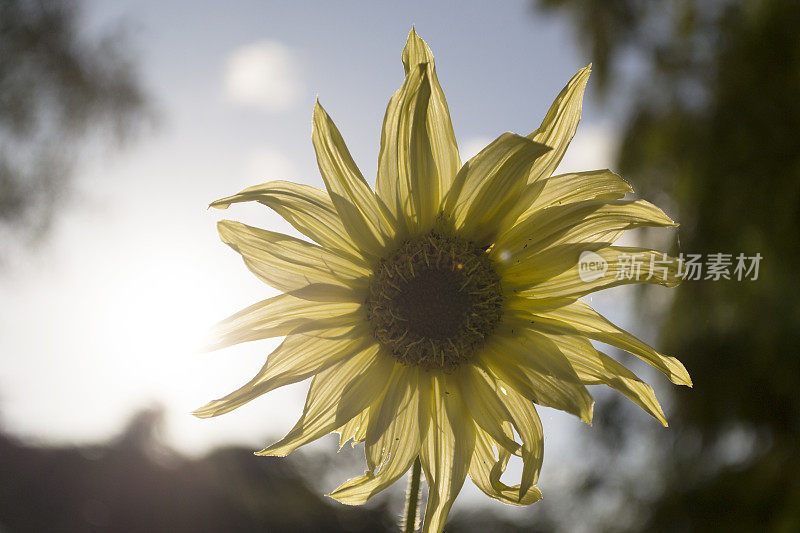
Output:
x=109 y=315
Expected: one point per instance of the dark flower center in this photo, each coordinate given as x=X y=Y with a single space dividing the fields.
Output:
x=434 y=301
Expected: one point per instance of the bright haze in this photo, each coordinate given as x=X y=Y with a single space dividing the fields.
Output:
x=110 y=313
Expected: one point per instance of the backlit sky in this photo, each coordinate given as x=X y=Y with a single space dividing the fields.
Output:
x=108 y=315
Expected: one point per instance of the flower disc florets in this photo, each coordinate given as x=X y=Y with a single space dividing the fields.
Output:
x=434 y=301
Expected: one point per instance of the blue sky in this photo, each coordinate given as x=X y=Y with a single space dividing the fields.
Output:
x=108 y=316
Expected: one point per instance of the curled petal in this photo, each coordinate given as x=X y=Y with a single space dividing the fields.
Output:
x=594 y=368
x=580 y=319
x=533 y=365
x=527 y=423
x=489 y=412
x=392 y=439
x=486 y=469
x=307 y=208
x=335 y=396
x=418 y=157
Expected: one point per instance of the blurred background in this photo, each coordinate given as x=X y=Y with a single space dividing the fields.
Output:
x=120 y=121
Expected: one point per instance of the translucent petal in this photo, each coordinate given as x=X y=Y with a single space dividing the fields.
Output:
x=579 y=318
x=335 y=396
x=595 y=368
x=488 y=192
x=486 y=470
x=480 y=393
x=559 y=124
x=393 y=439
x=440 y=128
x=364 y=216
x=586 y=221
x=522 y=273
x=307 y=208
x=298 y=357
x=527 y=423
x=355 y=429
x=282 y=315
x=624 y=265
x=408 y=179
x=447 y=449
x=576 y=187
x=402 y=395
x=287 y=263
x=533 y=365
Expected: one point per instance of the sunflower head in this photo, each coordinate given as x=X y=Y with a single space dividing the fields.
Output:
x=434 y=311
x=433 y=302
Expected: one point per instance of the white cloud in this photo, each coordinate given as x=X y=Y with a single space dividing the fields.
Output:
x=263 y=74
x=266 y=164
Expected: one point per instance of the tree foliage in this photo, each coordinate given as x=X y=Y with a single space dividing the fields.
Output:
x=713 y=124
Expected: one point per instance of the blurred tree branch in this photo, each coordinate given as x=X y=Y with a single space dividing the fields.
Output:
x=56 y=88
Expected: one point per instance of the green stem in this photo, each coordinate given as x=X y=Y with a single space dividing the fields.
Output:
x=412 y=498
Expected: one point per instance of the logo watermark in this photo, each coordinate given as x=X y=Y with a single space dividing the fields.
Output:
x=591 y=266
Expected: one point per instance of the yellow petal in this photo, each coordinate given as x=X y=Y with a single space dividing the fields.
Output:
x=623 y=265
x=447 y=449
x=575 y=187
x=364 y=216
x=402 y=395
x=335 y=396
x=393 y=439
x=580 y=318
x=527 y=423
x=586 y=221
x=534 y=366
x=287 y=263
x=522 y=272
x=408 y=180
x=418 y=158
x=282 y=315
x=440 y=129
x=486 y=470
x=559 y=124
x=595 y=368
x=355 y=429
x=297 y=358
x=487 y=194
x=480 y=393
x=307 y=208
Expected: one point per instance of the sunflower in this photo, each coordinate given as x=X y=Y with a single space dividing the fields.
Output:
x=434 y=312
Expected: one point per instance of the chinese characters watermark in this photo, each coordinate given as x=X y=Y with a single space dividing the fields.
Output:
x=648 y=265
